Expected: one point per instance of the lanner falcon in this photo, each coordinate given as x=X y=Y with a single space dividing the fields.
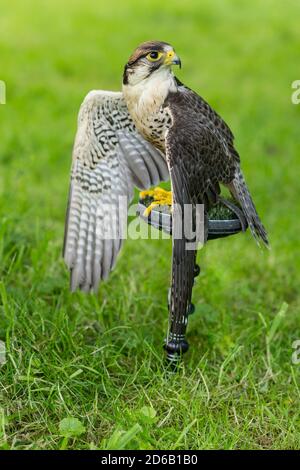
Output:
x=154 y=129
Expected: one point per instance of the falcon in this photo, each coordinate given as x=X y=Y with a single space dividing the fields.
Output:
x=156 y=128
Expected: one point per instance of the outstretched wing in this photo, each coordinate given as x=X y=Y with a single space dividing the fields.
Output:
x=110 y=157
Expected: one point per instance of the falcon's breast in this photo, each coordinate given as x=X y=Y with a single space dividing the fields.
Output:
x=146 y=106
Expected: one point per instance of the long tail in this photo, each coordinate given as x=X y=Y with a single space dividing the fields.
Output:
x=240 y=192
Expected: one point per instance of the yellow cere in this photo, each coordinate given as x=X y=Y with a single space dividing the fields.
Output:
x=169 y=57
x=160 y=196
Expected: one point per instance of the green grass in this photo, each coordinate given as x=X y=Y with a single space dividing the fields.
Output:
x=99 y=358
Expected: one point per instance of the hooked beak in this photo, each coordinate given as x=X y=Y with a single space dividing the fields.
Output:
x=172 y=59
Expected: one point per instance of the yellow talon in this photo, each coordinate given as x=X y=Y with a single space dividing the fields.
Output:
x=160 y=196
x=144 y=194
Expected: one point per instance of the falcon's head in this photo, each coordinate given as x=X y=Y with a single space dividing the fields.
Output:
x=148 y=58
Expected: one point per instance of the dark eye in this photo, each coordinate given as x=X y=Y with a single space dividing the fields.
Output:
x=154 y=56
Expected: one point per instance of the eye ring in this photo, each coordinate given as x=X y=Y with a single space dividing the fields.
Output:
x=153 y=56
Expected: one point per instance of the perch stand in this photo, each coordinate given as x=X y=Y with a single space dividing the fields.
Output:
x=225 y=219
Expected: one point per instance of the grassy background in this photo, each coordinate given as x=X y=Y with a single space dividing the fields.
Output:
x=99 y=359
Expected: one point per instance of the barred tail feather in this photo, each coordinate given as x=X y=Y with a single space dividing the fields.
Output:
x=240 y=192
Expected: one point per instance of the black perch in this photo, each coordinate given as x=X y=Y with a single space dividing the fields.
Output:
x=225 y=219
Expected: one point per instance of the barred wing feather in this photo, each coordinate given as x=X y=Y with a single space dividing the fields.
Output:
x=110 y=157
